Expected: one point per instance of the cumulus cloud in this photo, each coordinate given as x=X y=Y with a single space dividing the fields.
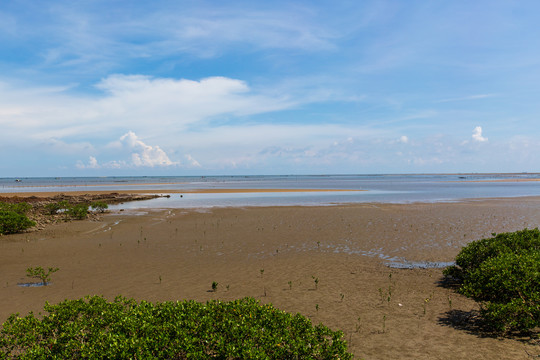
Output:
x=140 y=154
x=145 y=155
x=404 y=139
x=477 y=135
x=92 y=164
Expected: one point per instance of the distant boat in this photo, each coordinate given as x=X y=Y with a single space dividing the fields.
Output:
x=18 y=180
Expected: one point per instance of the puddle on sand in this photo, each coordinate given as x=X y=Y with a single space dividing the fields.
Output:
x=419 y=264
x=33 y=284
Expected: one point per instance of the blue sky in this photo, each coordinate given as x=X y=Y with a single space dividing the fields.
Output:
x=257 y=87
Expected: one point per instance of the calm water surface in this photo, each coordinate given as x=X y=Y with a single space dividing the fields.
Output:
x=376 y=188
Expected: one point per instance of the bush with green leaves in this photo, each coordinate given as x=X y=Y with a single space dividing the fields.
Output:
x=99 y=206
x=41 y=274
x=97 y=329
x=13 y=218
x=502 y=273
x=78 y=211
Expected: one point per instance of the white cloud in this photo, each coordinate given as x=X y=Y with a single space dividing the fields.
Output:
x=191 y=161
x=404 y=139
x=466 y=98
x=156 y=107
x=92 y=164
x=140 y=154
x=477 y=135
x=145 y=155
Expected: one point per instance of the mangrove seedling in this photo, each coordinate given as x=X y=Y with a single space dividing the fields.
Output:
x=41 y=274
x=99 y=206
x=214 y=286
x=316 y=280
x=290 y=285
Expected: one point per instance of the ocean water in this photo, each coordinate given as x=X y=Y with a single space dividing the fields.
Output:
x=375 y=188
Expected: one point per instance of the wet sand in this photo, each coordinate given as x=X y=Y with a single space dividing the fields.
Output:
x=176 y=254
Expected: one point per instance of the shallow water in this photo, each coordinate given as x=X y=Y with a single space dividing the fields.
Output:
x=377 y=188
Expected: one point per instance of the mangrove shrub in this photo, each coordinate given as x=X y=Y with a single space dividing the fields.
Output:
x=92 y=328
x=13 y=218
x=502 y=273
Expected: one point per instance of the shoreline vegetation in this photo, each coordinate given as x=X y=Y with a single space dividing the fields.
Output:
x=40 y=209
x=325 y=263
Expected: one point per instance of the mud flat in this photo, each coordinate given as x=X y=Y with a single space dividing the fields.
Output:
x=275 y=254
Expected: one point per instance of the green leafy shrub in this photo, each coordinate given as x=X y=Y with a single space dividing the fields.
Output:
x=53 y=208
x=475 y=253
x=41 y=274
x=97 y=329
x=20 y=208
x=78 y=211
x=13 y=218
x=99 y=206
x=503 y=274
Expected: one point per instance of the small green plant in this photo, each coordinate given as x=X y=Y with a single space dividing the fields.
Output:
x=358 y=325
x=290 y=284
x=341 y=296
x=13 y=218
x=214 y=286
x=41 y=274
x=262 y=272
x=99 y=206
x=317 y=307
x=426 y=302
x=316 y=281
x=78 y=211
x=53 y=208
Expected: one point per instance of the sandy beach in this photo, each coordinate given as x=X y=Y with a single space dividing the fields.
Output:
x=274 y=254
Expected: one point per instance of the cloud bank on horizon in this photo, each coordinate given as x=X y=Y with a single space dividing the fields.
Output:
x=195 y=88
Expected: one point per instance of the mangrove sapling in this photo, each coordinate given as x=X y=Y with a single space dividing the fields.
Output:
x=214 y=286
x=78 y=211
x=317 y=307
x=316 y=281
x=99 y=206
x=41 y=274
x=262 y=272
x=358 y=326
x=290 y=285
x=341 y=296
x=426 y=301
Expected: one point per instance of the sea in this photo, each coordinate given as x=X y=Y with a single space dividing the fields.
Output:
x=339 y=189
